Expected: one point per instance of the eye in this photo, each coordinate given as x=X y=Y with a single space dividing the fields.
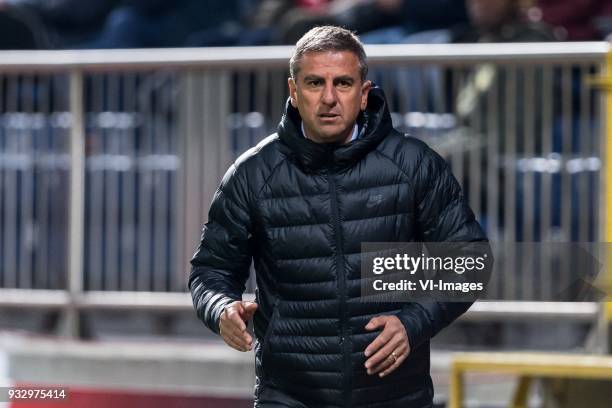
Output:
x=314 y=82
x=344 y=83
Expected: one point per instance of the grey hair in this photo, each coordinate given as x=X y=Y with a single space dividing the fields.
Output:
x=328 y=38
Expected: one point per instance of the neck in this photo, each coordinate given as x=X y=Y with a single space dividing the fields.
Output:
x=350 y=136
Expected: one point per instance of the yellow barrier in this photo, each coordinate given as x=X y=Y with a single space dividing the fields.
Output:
x=605 y=83
x=526 y=366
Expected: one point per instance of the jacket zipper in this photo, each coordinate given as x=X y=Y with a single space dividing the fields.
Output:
x=265 y=349
x=345 y=345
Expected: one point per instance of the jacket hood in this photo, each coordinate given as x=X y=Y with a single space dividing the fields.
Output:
x=374 y=125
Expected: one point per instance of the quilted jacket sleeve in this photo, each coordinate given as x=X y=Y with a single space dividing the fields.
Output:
x=443 y=216
x=220 y=266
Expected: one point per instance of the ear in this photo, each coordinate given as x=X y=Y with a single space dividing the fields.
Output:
x=365 y=91
x=292 y=92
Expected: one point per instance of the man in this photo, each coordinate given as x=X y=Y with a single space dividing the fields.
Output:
x=55 y=23
x=575 y=20
x=299 y=204
x=498 y=21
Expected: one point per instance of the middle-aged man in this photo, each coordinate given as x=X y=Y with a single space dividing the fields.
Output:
x=299 y=204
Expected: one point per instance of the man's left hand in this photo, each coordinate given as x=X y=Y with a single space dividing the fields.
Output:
x=389 y=349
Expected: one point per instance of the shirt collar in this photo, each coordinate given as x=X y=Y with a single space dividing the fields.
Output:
x=353 y=135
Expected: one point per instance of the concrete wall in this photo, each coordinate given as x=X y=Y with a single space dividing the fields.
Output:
x=133 y=374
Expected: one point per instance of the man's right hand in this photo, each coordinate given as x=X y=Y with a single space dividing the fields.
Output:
x=233 y=324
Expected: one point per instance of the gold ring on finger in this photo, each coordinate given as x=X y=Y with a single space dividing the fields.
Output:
x=394 y=356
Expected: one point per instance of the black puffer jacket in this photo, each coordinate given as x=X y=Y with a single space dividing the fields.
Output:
x=301 y=211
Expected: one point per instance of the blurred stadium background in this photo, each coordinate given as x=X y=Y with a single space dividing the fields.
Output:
x=109 y=159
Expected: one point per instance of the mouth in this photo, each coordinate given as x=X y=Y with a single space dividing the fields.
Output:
x=328 y=116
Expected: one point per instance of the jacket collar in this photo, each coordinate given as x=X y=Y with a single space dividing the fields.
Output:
x=374 y=125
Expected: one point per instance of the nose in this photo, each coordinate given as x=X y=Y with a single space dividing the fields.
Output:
x=329 y=94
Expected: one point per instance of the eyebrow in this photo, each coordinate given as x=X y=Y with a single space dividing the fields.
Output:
x=336 y=79
x=347 y=78
x=312 y=77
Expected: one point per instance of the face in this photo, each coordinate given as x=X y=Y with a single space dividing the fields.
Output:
x=329 y=94
x=490 y=13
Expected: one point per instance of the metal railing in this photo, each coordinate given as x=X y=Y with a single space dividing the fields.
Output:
x=109 y=160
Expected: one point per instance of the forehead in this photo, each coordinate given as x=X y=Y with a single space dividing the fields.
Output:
x=327 y=63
